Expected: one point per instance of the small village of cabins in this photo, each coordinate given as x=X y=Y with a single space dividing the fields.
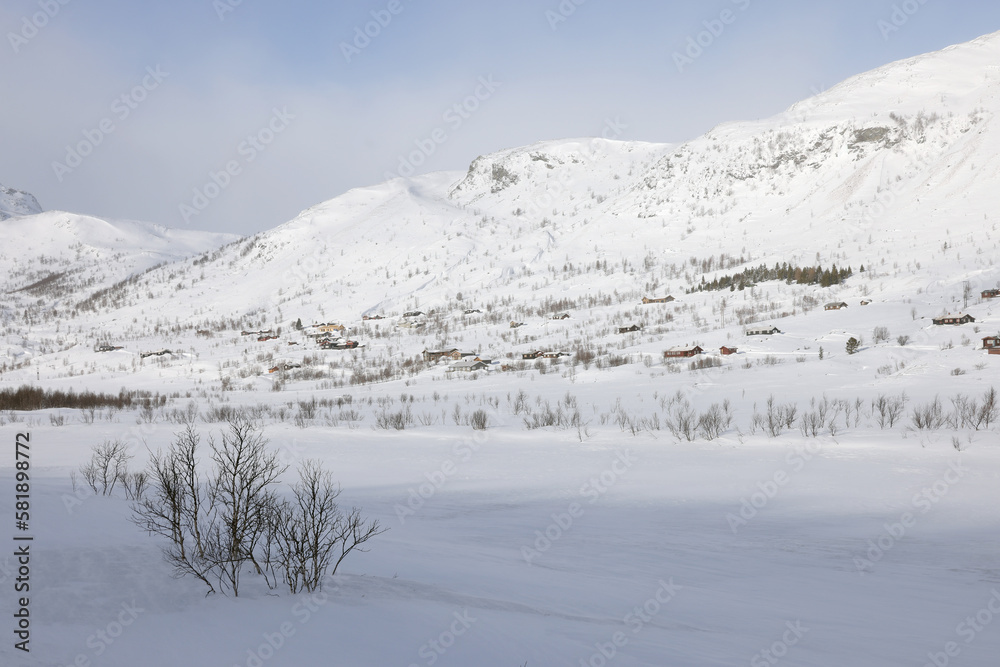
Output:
x=333 y=336
x=471 y=361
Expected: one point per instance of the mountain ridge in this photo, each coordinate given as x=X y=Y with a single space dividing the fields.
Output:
x=16 y=203
x=906 y=191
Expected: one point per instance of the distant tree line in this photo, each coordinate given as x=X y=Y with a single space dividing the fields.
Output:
x=789 y=273
x=27 y=397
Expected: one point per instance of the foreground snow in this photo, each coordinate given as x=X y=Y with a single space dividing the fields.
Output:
x=683 y=554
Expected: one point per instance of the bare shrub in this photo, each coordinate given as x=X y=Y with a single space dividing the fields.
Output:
x=398 y=420
x=713 y=422
x=520 y=402
x=928 y=416
x=107 y=467
x=233 y=522
x=989 y=408
x=811 y=423
x=242 y=501
x=175 y=508
x=888 y=409
x=134 y=483
x=705 y=362
x=778 y=417
x=313 y=535
x=479 y=420
x=682 y=421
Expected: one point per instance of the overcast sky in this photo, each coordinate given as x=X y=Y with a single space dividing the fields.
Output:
x=126 y=109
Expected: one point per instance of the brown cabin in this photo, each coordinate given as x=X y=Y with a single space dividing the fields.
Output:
x=665 y=299
x=991 y=293
x=762 y=331
x=835 y=306
x=991 y=342
x=467 y=366
x=631 y=329
x=953 y=318
x=678 y=352
x=434 y=355
x=727 y=350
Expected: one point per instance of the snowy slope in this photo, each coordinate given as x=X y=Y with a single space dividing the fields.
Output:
x=899 y=160
x=15 y=202
x=79 y=254
x=893 y=170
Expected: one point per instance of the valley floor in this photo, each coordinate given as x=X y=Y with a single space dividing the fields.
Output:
x=550 y=547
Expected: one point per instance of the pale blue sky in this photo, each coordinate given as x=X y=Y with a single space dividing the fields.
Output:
x=354 y=117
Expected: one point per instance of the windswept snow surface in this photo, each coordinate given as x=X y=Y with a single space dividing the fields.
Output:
x=643 y=546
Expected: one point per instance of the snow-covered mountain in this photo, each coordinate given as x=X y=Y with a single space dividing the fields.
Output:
x=893 y=170
x=15 y=202
x=65 y=257
x=886 y=167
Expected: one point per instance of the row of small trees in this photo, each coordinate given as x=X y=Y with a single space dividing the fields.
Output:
x=789 y=273
x=231 y=521
x=826 y=415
